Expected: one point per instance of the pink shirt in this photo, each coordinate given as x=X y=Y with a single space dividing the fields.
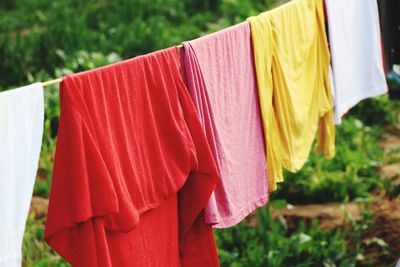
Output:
x=222 y=83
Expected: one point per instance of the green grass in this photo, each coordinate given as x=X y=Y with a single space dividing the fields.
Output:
x=35 y=250
x=272 y=244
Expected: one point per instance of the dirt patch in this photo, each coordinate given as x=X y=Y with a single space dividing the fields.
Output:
x=329 y=216
x=387 y=227
x=41 y=175
x=391 y=142
x=391 y=171
x=387 y=211
x=39 y=207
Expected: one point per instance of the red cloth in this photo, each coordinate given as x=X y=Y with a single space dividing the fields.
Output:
x=129 y=139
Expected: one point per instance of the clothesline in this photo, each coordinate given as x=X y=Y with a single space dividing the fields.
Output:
x=58 y=80
x=47 y=83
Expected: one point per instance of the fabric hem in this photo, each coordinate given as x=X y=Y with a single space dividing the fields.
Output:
x=237 y=218
x=338 y=115
x=329 y=154
x=295 y=164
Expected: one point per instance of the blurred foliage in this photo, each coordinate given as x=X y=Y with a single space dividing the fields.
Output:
x=271 y=244
x=351 y=174
x=35 y=250
x=378 y=111
x=32 y=31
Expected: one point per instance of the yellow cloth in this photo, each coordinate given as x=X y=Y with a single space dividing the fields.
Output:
x=292 y=63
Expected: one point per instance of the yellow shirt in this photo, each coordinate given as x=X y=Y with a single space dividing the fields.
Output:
x=292 y=63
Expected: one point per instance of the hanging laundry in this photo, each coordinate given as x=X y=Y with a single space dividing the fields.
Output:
x=21 y=133
x=355 y=43
x=292 y=62
x=221 y=80
x=133 y=170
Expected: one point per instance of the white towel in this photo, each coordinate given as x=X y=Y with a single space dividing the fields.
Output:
x=355 y=43
x=21 y=131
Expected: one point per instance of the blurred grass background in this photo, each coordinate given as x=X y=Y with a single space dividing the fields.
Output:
x=43 y=39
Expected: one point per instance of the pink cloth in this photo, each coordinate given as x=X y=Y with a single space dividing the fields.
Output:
x=222 y=83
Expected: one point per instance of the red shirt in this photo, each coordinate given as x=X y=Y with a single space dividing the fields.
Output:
x=133 y=170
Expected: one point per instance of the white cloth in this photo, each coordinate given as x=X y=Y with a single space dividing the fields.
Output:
x=21 y=132
x=355 y=43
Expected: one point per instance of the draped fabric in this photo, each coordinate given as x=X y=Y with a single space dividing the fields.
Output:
x=133 y=170
x=21 y=133
x=222 y=83
x=292 y=63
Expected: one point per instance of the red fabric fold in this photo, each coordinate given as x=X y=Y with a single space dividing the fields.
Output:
x=129 y=140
